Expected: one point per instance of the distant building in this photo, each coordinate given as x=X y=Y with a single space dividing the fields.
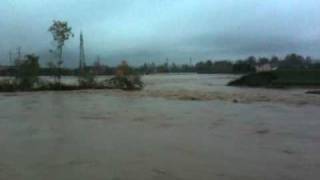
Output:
x=265 y=67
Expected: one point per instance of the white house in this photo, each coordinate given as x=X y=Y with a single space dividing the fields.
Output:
x=264 y=67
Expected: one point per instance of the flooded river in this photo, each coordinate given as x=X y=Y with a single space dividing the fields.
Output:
x=180 y=127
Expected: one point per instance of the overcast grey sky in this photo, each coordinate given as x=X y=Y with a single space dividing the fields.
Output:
x=151 y=30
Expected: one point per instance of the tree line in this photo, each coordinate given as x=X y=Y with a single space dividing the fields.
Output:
x=291 y=61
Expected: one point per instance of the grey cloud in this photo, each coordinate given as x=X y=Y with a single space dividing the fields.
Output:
x=144 y=30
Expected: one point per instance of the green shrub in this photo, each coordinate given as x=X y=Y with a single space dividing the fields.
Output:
x=87 y=79
x=132 y=82
x=126 y=78
x=27 y=72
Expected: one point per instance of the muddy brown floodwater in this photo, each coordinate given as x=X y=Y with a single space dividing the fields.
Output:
x=180 y=127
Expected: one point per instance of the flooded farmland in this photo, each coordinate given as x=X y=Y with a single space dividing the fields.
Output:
x=182 y=127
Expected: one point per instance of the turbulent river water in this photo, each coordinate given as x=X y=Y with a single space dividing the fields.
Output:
x=179 y=127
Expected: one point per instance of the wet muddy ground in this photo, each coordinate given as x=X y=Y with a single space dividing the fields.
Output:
x=179 y=127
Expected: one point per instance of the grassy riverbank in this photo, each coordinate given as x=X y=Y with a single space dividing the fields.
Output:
x=280 y=79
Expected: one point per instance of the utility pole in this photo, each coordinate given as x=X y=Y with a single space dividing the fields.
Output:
x=19 y=53
x=19 y=56
x=167 y=65
x=82 y=60
x=97 y=65
x=98 y=59
x=10 y=58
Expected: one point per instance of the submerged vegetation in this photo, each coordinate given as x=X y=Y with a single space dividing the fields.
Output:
x=293 y=71
x=314 y=92
x=27 y=79
x=126 y=78
x=26 y=76
x=33 y=83
x=280 y=79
